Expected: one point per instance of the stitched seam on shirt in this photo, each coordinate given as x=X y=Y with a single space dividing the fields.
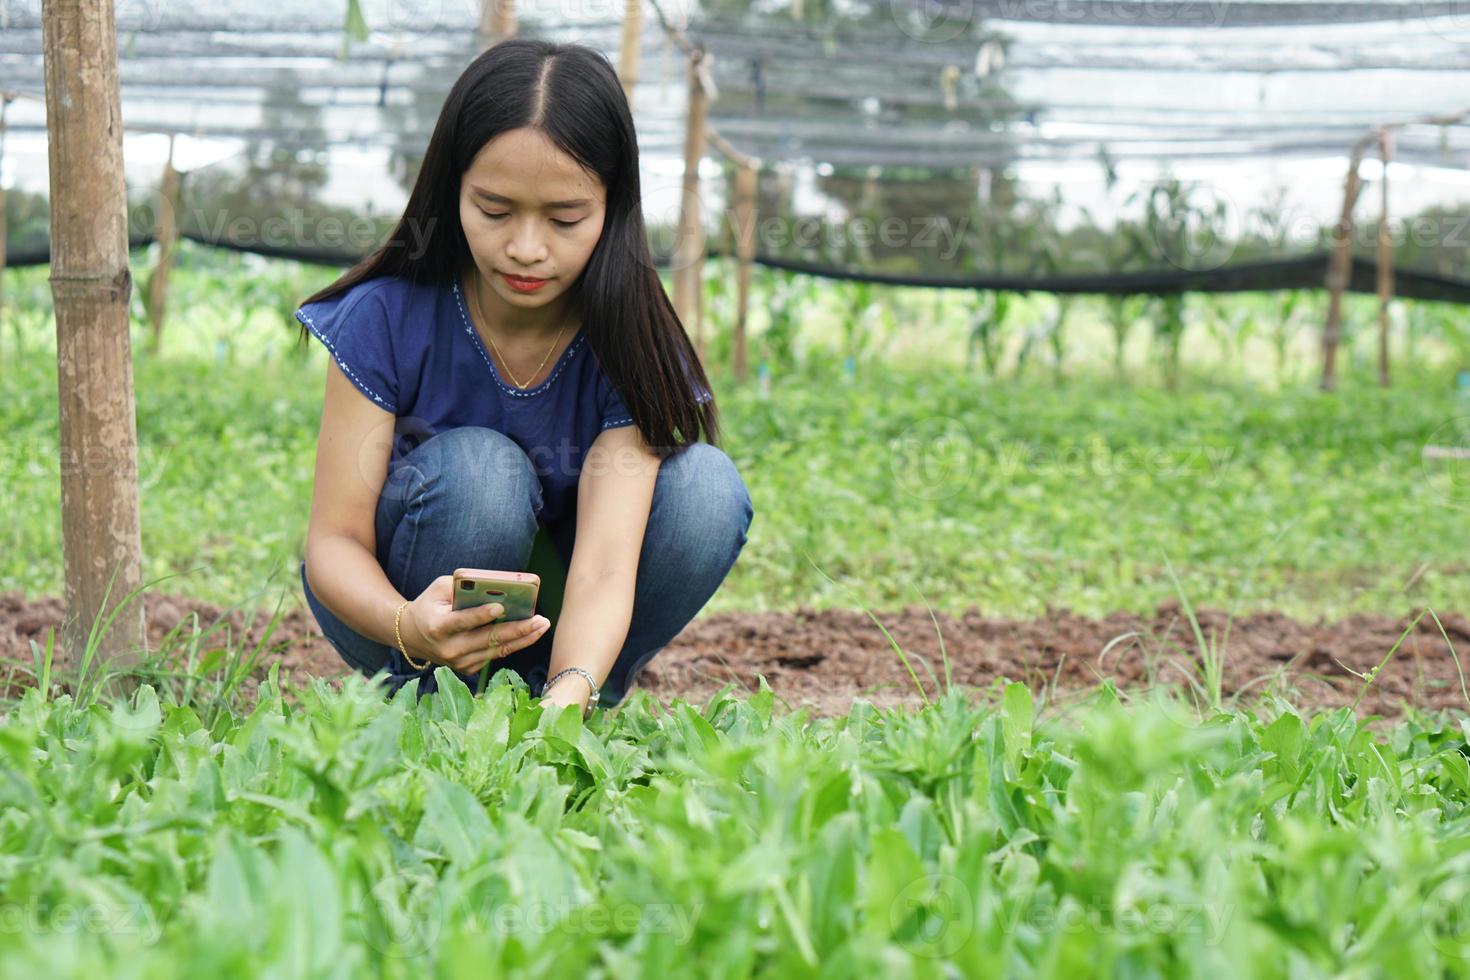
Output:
x=566 y=356
x=629 y=421
x=362 y=386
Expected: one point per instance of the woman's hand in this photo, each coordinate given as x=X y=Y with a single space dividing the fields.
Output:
x=464 y=639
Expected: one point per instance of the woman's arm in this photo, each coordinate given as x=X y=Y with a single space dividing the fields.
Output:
x=351 y=463
x=614 y=494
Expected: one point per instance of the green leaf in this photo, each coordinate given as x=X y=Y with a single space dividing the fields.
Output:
x=893 y=878
x=456 y=700
x=1016 y=721
x=1284 y=738
x=454 y=823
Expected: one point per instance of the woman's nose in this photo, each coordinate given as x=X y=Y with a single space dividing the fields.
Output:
x=526 y=246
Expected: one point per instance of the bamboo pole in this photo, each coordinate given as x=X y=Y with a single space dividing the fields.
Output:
x=497 y=21
x=167 y=233
x=628 y=52
x=1339 y=270
x=91 y=284
x=745 y=191
x=1385 y=260
x=689 y=248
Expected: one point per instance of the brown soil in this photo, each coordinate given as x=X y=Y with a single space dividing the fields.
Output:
x=826 y=658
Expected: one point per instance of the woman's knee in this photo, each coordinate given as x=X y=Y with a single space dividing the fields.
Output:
x=700 y=491
x=472 y=467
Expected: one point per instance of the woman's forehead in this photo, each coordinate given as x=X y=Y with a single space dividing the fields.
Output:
x=523 y=166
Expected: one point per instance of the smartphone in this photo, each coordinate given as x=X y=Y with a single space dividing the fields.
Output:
x=516 y=591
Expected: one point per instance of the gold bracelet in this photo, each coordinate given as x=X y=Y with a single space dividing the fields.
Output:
x=397 y=615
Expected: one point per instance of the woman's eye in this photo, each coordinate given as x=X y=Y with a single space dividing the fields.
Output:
x=555 y=221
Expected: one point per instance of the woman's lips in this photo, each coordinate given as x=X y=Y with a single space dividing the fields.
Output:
x=524 y=285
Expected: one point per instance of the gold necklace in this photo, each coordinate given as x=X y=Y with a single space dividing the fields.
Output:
x=475 y=298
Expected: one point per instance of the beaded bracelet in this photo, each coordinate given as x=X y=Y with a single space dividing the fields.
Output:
x=397 y=636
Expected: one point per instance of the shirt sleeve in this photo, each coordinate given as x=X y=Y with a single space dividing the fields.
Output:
x=614 y=412
x=354 y=327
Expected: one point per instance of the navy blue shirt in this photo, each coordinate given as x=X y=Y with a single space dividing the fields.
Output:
x=412 y=348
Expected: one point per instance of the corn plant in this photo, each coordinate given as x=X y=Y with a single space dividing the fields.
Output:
x=787 y=295
x=868 y=316
x=1288 y=305
x=1231 y=322
x=1451 y=328
x=1167 y=313
x=1175 y=226
x=988 y=329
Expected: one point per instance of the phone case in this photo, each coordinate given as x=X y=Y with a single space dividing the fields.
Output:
x=515 y=590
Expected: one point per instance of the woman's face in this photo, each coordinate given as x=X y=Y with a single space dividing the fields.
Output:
x=530 y=211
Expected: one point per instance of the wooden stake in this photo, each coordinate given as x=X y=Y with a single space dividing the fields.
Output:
x=90 y=285
x=1385 y=261
x=497 y=21
x=167 y=233
x=1339 y=269
x=689 y=248
x=628 y=53
x=745 y=191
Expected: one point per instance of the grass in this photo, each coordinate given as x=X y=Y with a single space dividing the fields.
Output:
x=1016 y=496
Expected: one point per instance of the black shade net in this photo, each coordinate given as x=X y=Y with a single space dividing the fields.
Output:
x=1017 y=144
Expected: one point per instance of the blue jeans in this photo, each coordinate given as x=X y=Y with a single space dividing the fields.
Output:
x=469 y=497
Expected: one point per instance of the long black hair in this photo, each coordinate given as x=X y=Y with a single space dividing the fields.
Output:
x=578 y=102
